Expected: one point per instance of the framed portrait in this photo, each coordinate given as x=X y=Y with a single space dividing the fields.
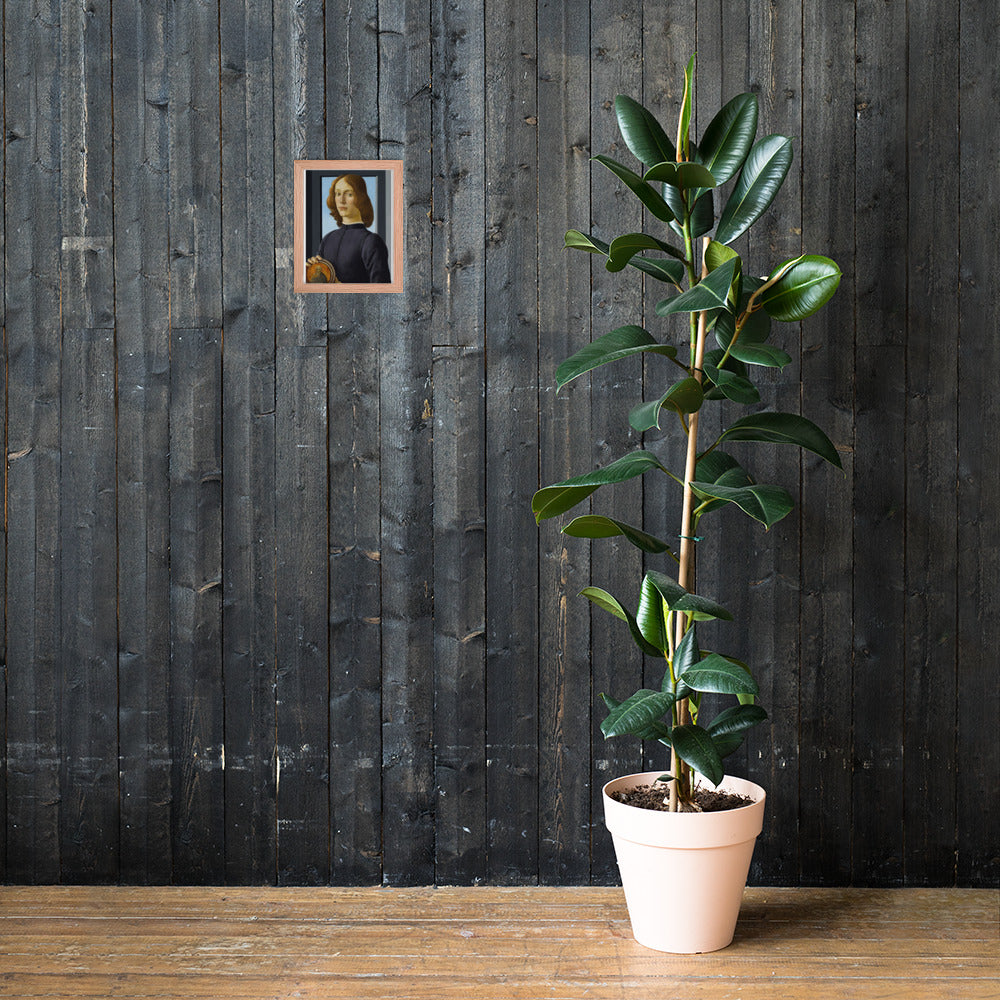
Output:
x=348 y=226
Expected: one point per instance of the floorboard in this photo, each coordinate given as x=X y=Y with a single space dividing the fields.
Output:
x=489 y=943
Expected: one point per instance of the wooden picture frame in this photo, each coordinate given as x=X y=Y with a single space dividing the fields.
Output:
x=371 y=259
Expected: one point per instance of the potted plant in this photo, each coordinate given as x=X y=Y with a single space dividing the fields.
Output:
x=689 y=901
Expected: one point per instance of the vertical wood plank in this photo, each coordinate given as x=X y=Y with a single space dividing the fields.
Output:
x=32 y=278
x=301 y=475
x=828 y=387
x=248 y=441
x=929 y=763
x=773 y=558
x=87 y=261
x=196 y=708
x=880 y=439
x=193 y=115
x=355 y=602
x=564 y=563
x=458 y=274
x=407 y=462
x=88 y=703
x=142 y=290
x=978 y=861
x=512 y=443
x=355 y=571
x=355 y=539
x=459 y=620
x=615 y=300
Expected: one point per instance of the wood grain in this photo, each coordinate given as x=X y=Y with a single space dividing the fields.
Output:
x=249 y=635
x=422 y=943
x=305 y=543
x=881 y=322
x=615 y=300
x=511 y=332
x=142 y=342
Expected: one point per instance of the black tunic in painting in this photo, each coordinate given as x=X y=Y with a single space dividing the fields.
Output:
x=358 y=255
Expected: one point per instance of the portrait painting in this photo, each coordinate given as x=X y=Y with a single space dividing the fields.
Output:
x=348 y=226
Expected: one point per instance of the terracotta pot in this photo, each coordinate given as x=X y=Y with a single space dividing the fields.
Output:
x=683 y=873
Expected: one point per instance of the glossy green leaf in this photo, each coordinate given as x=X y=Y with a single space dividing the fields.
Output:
x=712 y=359
x=728 y=743
x=580 y=241
x=686 y=656
x=637 y=713
x=783 y=428
x=651 y=618
x=642 y=133
x=804 y=289
x=606 y=602
x=765 y=355
x=639 y=188
x=624 y=342
x=684 y=119
x=762 y=175
x=732 y=386
x=685 y=396
x=703 y=214
x=624 y=248
x=736 y=719
x=595 y=526
x=681 y=175
x=756 y=330
x=694 y=745
x=663 y=304
x=654 y=731
x=719 y=468
x=767 y=504
x=551 y=501
x=679 y=599
x=712 y=292
x=729 y=136
x=717 y=675
x=716 y=254
x=671 y=271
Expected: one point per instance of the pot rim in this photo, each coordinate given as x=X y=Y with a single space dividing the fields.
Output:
x=649 y=777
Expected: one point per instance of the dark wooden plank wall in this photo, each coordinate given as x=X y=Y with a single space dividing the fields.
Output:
x=275 y=609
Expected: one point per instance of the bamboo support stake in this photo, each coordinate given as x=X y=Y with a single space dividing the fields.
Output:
x=686 y=560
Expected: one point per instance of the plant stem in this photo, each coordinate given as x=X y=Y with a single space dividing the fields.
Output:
x=686 y=563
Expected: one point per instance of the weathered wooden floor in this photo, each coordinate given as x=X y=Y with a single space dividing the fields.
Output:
x=486 y=943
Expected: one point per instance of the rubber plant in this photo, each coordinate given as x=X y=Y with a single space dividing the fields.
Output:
x=707 y=293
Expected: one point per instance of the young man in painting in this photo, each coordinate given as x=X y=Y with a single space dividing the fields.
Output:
x=357 y=255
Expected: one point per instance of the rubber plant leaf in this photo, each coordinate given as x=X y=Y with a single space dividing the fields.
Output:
x=551 y=501
x=783 y=428
x=642 y=133
x=729 y=136
x=637 y=713
x=717 y=675
x=767 y=504
x=608 y=603
x=762 y=175
x=712 y=292
x=685 y=396
x=694 y=745
x=596 y=526
x=679 y=599
x=802 y=290
x=639 y=188
x=624 y=342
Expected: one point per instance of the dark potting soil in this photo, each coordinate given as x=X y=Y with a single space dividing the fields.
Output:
x=657 y=797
